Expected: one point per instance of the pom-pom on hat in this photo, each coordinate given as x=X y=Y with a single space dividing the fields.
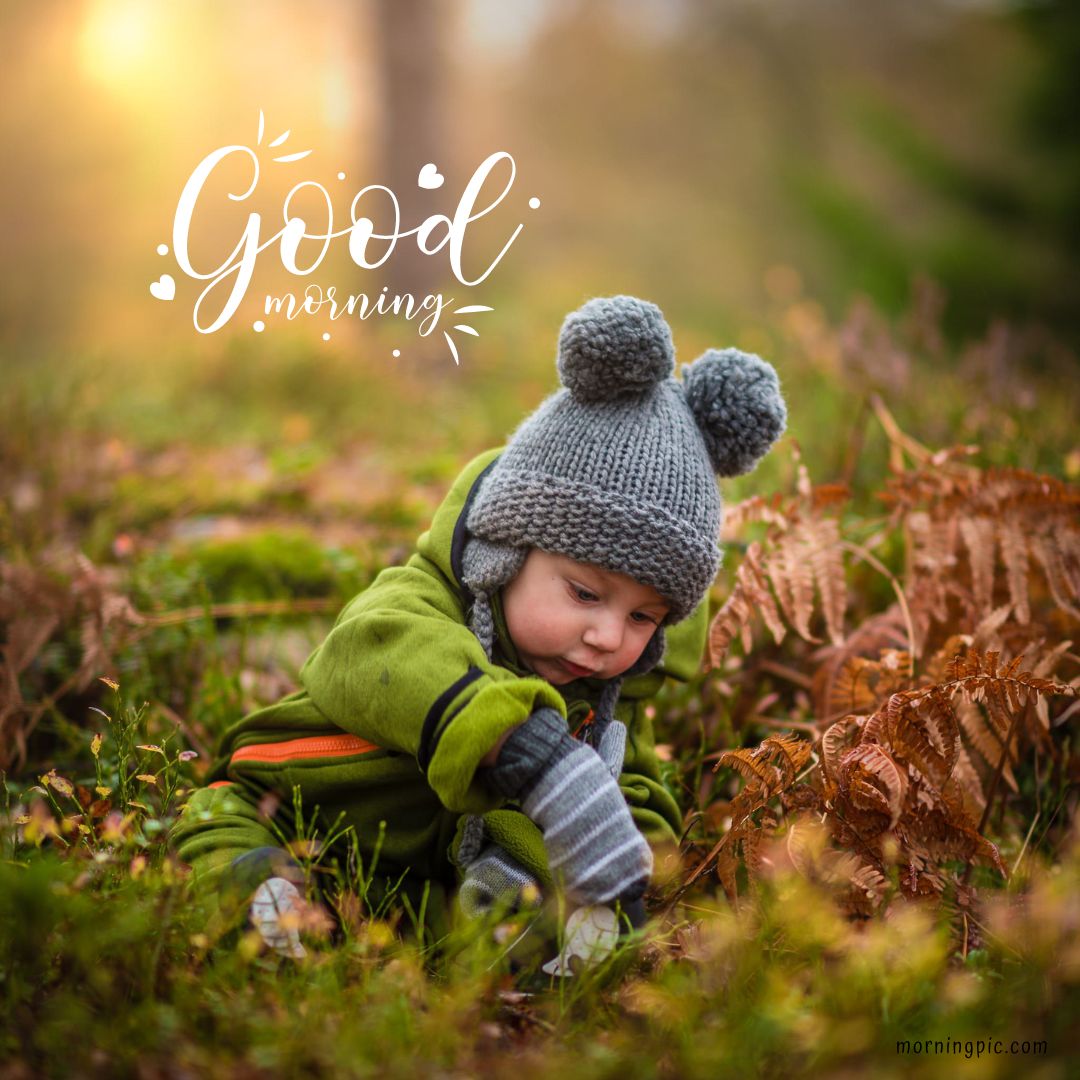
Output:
x=618 y=468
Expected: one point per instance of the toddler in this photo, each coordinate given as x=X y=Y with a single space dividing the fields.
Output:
x=486 y=701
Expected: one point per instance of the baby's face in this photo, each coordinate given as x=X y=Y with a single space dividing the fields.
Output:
x=570 y=620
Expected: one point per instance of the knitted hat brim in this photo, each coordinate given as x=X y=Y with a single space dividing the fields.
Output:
x=585 y=523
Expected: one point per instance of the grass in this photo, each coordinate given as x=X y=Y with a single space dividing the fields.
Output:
x=219 y=524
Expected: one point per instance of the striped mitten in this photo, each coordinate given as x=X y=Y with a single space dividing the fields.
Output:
x=565 y=787
x=492 y=876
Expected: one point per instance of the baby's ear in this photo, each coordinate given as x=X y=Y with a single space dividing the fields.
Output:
x=735 y=399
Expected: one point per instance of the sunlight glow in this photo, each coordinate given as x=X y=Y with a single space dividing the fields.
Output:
x=117 y=41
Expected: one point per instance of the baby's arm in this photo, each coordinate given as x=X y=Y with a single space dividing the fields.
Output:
x=401 y=669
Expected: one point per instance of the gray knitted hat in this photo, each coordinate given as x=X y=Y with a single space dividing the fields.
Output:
x=619 y=467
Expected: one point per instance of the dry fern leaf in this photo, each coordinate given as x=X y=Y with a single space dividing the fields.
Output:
x=792 y=754
x=792 y=577
x=935 y=711
x=967 y=779
x=1014 y=554
x=879 y=634
x=756 y=508
x=820 y=539
x=981 y=735
x=978 y=534
x=1052 y=558
x=749 y=595
x=836 y=741
x=853 y=689
x=873 y=759
x=750 y=765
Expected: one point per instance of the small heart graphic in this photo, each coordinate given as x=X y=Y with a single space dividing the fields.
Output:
x=164 y=288
x=430 y=177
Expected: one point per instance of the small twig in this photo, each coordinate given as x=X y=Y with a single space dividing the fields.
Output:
x=242 y=609
x=1025 y=844
x=779 y=723
x=855 y=442
x=204 y=751
x=785 y=672
x=877 y=564
x=895 y=435
x=994 y=780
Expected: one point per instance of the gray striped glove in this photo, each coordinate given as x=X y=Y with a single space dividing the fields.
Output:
x=491 y=877
x=565 y=787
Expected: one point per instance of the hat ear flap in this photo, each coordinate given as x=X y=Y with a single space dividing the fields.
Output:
x=735 y=398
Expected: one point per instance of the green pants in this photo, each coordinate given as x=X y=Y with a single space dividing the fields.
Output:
x=279 y=793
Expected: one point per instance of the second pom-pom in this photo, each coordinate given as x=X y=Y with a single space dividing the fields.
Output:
x=736 y=401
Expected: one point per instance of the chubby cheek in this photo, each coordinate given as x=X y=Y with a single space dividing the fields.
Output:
x=633 y=646
x=531 y=625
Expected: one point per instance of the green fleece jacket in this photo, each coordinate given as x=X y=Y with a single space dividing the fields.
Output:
x=398 y=706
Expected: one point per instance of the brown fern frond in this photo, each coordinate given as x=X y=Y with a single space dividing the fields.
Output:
x=906 y=735
x=1048 y=551
x=820 y=539
x=866 y=891
x=978 y=535
x=790 y=754
x=967 y=779
x=761 y=596
x=836 y=741
x=862 y=683
x=793 y=581
x=749 y=595
x=1014 y=554
x=879 y=634
x=936 y=712
x=854 y=688
x=750 y=765
x=757 y=508
x=982 y=736
x=873 y=759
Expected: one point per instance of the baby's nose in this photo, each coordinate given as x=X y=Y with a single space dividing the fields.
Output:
x=604 y=632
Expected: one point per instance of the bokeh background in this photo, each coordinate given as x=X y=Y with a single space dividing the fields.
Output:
x=752 y=167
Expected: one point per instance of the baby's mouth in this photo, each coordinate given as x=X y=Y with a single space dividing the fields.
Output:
x=576 y=670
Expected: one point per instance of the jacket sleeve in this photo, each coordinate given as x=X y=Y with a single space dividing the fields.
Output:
x=402 y=669
x=651 y=803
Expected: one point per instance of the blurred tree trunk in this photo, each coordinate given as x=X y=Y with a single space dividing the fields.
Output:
x=412 y=83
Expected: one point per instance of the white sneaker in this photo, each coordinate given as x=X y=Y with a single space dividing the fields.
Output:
x=274 y=898
x=591 y=934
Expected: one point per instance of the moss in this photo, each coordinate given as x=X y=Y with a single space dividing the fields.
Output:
x=272 y=564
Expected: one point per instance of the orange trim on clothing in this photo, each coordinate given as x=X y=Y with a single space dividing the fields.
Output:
x=220 y=783
x=315 y=746
x=585 y=723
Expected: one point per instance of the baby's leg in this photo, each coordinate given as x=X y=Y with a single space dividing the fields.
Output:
x=234 y=855
x=220 y=823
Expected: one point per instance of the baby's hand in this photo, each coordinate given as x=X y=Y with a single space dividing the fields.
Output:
x=276 y=911
x=592 y=843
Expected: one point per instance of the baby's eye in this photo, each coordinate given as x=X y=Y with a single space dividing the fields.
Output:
x=583 y=594
x=644 y=617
